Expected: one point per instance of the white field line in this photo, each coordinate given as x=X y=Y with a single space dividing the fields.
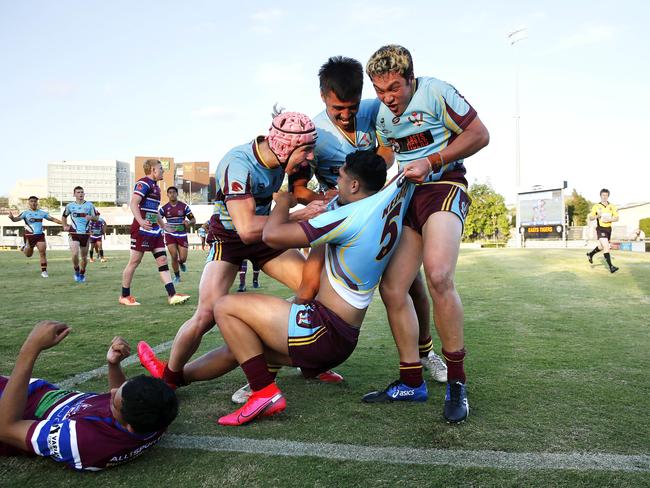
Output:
x=403 y=455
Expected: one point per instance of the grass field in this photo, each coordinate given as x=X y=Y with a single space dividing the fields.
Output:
x=558 y=362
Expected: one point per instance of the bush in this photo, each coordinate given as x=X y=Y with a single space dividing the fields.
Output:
x=644 y=225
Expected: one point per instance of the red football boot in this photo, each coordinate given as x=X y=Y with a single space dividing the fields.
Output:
x=149 y=361
x=265 y=402
x=330 y=377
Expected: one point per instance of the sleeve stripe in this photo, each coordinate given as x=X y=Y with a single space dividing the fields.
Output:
x=74 y=446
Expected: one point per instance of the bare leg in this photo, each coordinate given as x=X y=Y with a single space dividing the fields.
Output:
x=173 y=252
x=127 y=275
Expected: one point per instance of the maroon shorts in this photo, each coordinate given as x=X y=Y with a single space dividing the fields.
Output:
x=145 y=242
x=82 y=239
x=32 y=239
x=438 y=196
x=234 y=252
x=94 y=239
x=318 y=338
x=179 y=241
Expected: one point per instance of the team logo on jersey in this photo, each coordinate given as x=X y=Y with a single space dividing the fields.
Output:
x=463 y=208
x=395 y=120
x=235 y=187
x=364 y=141
x=139 y=187
x=416 y=119
x=303 y=317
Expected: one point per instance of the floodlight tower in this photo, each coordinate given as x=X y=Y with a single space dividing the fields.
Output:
x=514 y=37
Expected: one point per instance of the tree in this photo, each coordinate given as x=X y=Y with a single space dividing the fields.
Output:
x=578 y=207
x=49 y=203
x=488 y=215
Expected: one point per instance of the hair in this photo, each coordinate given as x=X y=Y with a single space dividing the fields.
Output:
x=390 y=59
x=148 y=164
x=369 y=168
x=604 y=190
x=77 y=188
x=342 y=76
x=33 y=197
x=172 y=188
x=148 y=404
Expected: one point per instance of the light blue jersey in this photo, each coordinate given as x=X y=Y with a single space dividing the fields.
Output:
x=361 y=238
x=434 y=117
x=34 y=220
x=333 y=144
x=78 y=212
x=242 y=174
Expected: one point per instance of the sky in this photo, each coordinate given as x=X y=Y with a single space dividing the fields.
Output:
x=112 y=80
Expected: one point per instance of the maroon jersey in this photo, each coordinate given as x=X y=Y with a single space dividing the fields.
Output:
x=175 y=216
x=150 y=192
x=78 y=429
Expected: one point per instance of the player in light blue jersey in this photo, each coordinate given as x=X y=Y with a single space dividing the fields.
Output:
x=346 y=125
x=81 y=213
x=247 y=177
x=357 y=240
x=34 y=235
x=431 y=128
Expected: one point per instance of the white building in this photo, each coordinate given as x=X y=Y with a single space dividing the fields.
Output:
x=104 y=180
x=23 y=189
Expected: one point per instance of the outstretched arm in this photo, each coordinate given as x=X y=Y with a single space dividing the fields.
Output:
x=13 y=429
x=279 y=232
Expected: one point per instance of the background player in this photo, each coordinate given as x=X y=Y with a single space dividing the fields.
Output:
x=81 y=213
x=431 y=129
x=604 y=213
x=179 y=218
x=242 y=276
x=85 y=431
x=146 y=234
x=97 y=229
x=202 y=231
x=247 y=177
x=34 y=236
x=361 y=236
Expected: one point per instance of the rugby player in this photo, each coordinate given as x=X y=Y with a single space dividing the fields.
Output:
x=247 y=177
x=34 y=235
x=604 y=213
x=346 y=125
x=179 y=218
x=84 y=431
x=360 y=237
x=202 y=232
x=146 y=234
x=242 y=276
x=97 y=231
x=81 y=213
x=431 y=128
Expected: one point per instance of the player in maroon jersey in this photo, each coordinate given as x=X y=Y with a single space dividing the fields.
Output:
x=85 y=431
x=179 y=218
x=146 y=234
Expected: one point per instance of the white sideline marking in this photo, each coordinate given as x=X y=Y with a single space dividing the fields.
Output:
x=103 y=370
x=405 y=455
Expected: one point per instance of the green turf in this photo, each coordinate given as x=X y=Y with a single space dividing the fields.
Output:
x=558 y=361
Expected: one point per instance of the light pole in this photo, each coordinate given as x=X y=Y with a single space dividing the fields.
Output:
x=513 y=38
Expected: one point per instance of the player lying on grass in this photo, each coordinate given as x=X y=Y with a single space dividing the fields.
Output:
x=85 y=431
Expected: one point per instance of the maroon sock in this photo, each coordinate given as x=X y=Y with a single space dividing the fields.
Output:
x=82 y=271
x=44 y=266
x=76 y=269
x=273 y=369
x=455 y=369
x=173 y=377
x=257 y=372
x=411 y=374
x=425 y=346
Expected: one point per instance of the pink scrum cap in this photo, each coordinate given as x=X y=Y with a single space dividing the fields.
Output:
x=289 y=131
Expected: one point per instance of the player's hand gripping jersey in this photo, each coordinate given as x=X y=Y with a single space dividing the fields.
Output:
x=33 y=220
x=434 y=117
x=175 y=216
x=243 y=174
x=150 y=192
x=78 y=212
x=333 y=145
x=361 y=238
